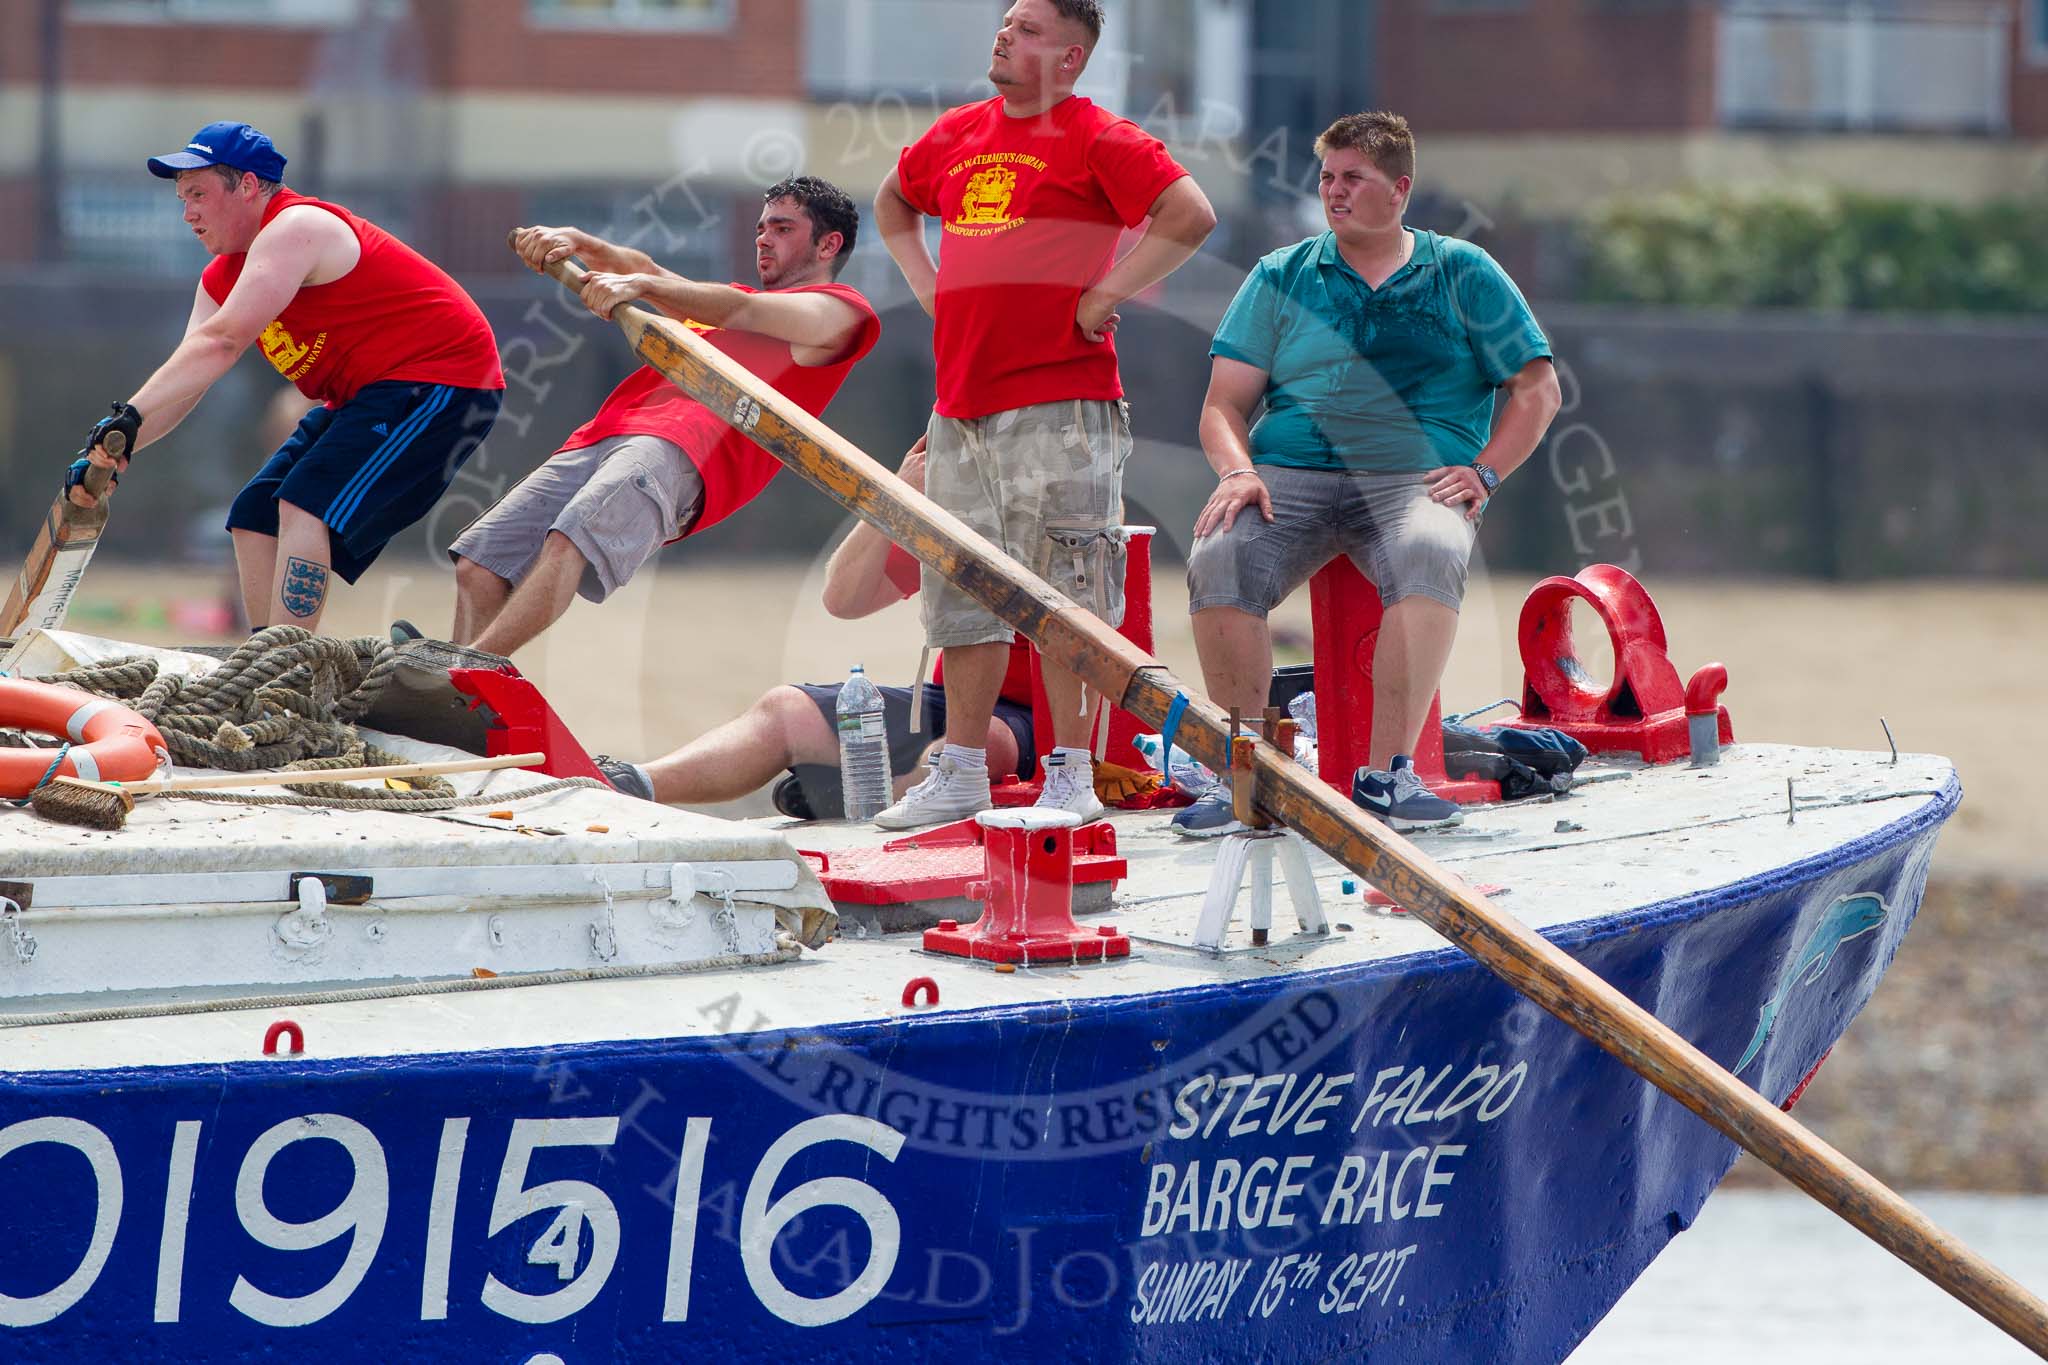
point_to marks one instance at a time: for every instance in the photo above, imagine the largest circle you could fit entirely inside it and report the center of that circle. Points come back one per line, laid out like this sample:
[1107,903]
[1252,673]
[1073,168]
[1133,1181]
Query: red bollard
[1345,613]
[1028,898]
[1137,628]
[1703,714]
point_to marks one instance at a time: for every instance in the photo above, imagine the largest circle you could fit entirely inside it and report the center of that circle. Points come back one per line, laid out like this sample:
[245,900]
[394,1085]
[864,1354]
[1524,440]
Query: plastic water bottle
[863,748]
[1303,709]
[1181,770]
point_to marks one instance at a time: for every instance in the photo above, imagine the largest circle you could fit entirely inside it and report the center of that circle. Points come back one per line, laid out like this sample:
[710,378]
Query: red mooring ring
[279,1030]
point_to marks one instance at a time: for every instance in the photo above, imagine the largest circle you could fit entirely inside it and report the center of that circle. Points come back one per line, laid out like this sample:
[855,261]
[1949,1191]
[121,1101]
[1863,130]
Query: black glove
[74,474]
[126,420]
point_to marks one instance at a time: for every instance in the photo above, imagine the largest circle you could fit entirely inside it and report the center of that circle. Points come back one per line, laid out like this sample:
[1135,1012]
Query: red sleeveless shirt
[396,315]
[734,470]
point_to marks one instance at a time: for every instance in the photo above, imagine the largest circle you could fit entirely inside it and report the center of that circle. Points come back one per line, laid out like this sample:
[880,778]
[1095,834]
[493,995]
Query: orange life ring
[109,742]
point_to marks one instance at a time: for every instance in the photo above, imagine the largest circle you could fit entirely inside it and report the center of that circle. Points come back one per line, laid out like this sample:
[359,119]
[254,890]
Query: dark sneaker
[404,632]
[627,778]
[789,798]
[1399,799]
[1210,816]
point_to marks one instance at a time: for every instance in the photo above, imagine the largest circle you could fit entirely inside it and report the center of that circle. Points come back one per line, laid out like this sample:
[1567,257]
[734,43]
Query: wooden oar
[1072,638]
[55,565]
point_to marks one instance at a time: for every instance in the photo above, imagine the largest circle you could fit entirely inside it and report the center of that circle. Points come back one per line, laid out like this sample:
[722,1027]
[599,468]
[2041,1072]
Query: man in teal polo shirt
[1403,378]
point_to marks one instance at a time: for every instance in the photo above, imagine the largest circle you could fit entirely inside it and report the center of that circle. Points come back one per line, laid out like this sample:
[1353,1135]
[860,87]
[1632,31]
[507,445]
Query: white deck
[1615,845]
[196,898]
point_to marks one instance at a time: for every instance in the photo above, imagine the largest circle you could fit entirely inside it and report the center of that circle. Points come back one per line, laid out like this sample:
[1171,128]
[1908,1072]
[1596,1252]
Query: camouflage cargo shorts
[1045,484]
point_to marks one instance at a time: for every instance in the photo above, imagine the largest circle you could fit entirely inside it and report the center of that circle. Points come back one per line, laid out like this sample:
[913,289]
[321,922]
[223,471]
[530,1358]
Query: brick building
[450,120]
[1546,101]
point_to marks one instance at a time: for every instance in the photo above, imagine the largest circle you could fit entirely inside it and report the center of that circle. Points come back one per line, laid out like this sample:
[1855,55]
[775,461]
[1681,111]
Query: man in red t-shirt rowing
[400,359]
[1029,435]
[655,465]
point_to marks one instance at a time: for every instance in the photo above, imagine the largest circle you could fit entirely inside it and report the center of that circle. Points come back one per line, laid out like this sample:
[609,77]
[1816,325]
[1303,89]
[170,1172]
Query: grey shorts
[1045,485]
[1406,544]
[617,501]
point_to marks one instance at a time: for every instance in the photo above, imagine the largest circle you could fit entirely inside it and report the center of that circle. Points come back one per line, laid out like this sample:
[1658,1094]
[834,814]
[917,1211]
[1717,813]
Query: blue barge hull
[1391,1160]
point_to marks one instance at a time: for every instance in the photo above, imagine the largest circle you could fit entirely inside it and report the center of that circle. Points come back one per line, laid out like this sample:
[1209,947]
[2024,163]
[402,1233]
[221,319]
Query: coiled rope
[286,699]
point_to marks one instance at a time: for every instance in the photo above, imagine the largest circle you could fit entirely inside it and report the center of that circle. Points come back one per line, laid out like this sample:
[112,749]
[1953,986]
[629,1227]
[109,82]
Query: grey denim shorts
[1406,544]
[1045,484]
[617,501]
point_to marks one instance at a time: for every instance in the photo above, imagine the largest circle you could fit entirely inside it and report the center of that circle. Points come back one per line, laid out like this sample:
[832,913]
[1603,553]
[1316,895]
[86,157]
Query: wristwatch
[1489,477]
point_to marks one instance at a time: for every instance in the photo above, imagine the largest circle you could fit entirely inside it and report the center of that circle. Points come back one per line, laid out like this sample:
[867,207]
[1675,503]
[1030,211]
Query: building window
[2037,30]
[125,229]
[636,14]
[687,240]
[1922,69]
[927,51]
[312,13]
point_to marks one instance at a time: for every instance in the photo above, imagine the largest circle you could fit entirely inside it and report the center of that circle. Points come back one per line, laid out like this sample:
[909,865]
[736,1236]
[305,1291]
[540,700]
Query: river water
[1771,1278]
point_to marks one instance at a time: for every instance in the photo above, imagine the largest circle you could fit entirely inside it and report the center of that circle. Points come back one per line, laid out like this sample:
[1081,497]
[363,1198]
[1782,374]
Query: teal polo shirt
[1396,378]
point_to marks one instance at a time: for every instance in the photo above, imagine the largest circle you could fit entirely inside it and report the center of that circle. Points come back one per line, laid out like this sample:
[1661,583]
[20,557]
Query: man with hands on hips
[1029,433]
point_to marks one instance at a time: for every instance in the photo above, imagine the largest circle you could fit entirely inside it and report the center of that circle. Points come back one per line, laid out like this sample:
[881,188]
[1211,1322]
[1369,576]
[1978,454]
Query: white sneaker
[1069,786]
[948,792]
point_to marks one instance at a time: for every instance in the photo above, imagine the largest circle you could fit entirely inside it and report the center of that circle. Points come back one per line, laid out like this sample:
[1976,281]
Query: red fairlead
[109,742]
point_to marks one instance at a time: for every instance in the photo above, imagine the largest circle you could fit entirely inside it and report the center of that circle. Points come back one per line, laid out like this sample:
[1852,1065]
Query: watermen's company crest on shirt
[988,196]
[287,355]
[990,193]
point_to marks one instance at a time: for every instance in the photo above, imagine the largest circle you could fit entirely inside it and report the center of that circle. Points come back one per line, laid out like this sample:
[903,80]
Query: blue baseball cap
[234,145]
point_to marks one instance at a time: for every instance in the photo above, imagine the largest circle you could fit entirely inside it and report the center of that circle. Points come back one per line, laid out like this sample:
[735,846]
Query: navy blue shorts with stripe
[371,467]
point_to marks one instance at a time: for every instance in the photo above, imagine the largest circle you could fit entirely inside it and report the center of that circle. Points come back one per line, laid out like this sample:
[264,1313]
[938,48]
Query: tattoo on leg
[305,587]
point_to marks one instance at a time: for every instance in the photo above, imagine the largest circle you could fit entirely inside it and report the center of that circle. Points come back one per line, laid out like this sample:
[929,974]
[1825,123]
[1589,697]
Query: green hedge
[1819,249]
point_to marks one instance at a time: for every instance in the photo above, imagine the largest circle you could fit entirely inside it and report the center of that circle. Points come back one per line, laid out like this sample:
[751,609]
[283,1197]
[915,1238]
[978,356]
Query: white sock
[1073,758]
[966,758]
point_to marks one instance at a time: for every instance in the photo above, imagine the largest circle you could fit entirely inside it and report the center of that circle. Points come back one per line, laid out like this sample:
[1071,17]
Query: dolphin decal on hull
[1850,917]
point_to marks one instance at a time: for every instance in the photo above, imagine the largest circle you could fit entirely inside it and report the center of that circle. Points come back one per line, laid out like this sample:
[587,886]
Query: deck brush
[100,806]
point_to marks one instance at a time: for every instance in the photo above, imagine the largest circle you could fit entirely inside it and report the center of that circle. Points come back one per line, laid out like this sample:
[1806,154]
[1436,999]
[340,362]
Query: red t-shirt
[396,315]
[903,570]
[1032,210]
[733,468]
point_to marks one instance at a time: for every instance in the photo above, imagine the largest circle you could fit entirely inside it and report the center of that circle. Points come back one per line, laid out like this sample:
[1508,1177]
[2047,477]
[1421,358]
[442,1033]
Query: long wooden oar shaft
[216,781]
[1071,638]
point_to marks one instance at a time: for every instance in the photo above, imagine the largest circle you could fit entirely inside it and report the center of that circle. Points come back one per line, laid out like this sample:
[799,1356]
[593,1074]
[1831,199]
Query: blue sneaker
[628,778]
[1400,801]
[1209,817]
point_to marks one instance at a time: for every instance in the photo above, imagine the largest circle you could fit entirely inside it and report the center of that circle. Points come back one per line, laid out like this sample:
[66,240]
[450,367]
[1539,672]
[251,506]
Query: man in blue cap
[398,356]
